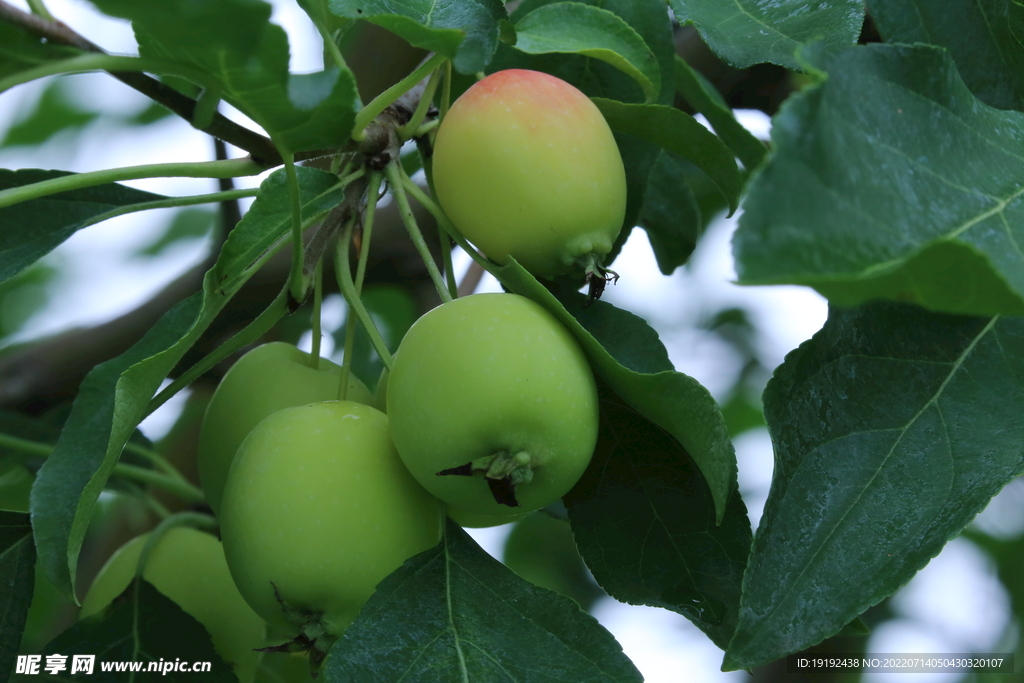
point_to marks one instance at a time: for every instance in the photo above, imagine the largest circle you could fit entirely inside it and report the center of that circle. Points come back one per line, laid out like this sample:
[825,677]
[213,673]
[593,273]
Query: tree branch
[259,146]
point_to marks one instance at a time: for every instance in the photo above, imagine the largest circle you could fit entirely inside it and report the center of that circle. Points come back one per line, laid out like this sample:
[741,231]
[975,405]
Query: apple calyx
[503,471]
[312,638]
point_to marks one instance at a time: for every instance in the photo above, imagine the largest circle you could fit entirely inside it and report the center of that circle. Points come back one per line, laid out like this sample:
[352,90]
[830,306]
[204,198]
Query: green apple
[492,405]
[268,378]
[525,166]
[318,508]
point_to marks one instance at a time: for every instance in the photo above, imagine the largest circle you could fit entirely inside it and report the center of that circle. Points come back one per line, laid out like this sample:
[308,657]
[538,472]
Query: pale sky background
[955,604]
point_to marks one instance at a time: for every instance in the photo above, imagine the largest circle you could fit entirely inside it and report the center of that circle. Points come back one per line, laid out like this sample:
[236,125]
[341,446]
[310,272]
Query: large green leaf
[114,396]
[578,28]
[17,576]
[984,37]
[681,134]
[20,50]
[248,66]
[670,214]
[141,625]
[893,427]
[748,32]
[644,522]
[32,229]
[890,180]
[453,613]
[630,358]
[465,32]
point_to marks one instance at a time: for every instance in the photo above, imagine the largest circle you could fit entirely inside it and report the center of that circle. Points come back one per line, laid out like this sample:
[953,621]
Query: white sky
[954,605]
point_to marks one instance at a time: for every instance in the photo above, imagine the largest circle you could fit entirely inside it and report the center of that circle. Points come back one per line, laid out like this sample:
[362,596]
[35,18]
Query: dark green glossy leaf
[53,113]
[114,395]
[33,228]
[626,353]
[465,32]
[702,96]
[144,626]
[984,37]
[578,28]
[644,521]
[24,295]
[890,180]
[247,65]
[893,427]
[20,50]
[17,577]
[453,613]
[680,133]
[670,214]
[748,32]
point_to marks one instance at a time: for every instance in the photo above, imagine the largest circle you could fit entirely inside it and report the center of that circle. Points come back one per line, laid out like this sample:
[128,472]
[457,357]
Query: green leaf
[114,395]
[645,523]
[33,228]
[679,133]
[670,214]
[141,625]
[17,576]
[890,180]
[574,27]
[465,32]
[748,32]
[20,50]
[893,427]
[475,620]
[702,96]
[984,37]
[248,66]
[626,353]
[53,113]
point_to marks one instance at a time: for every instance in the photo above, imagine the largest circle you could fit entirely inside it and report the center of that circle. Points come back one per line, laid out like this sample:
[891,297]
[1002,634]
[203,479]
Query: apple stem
[396,176]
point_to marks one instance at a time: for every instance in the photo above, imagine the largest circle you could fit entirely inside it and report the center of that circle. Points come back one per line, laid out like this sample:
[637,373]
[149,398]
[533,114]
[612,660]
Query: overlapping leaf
[702,96]
[453,613]
[578,28]
[679,204]
[17,576]
[465,32]
[33,228]
[630,358]
[248,66]
[114,396]
[890,180]
[747,32]
[142,625]
[893,427]
[681,134]
[984,37]
[644,522]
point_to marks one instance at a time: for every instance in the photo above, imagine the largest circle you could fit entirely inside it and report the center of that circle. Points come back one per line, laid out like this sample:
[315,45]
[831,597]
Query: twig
[260,147]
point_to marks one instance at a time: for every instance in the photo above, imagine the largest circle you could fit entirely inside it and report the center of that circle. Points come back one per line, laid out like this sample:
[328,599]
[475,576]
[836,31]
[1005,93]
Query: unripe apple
[267,379]
[525,166]
[317,510]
